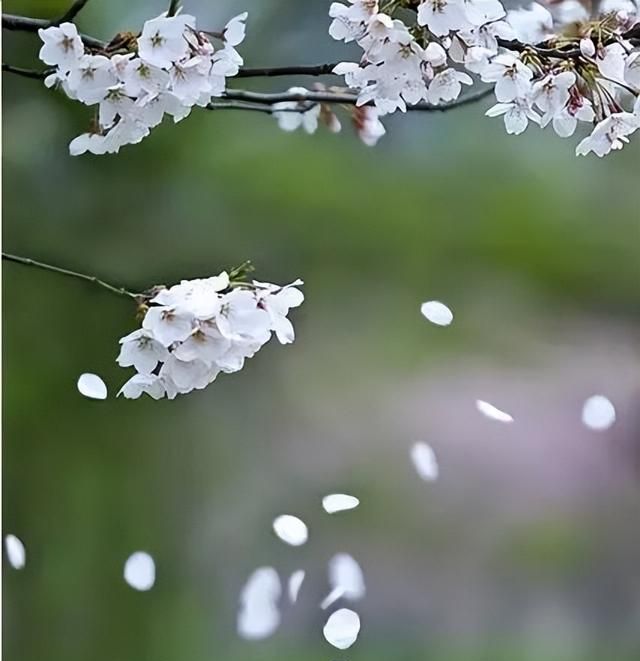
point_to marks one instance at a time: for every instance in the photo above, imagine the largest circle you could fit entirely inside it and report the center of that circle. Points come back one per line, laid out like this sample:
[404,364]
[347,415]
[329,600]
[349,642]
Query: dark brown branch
[301,70]
[26,73]
[26,24]
[71,13]
[270,99]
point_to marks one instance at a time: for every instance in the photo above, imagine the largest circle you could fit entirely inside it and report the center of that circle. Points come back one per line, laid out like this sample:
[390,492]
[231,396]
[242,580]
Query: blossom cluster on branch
[554,66]
[193,331]
[167,70]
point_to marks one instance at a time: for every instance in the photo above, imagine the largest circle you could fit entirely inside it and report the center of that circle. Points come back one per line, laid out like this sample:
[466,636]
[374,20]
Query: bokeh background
[528,548]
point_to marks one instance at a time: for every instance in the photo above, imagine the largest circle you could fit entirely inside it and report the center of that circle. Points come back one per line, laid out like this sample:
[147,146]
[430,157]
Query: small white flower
[442,16]
[143,383]
[140,571]
[516,115]
[168,324]
[62,46]
[447,85]
[141,350]
[91,78]
[511,76]
[163,41]
[292,115]
[609,134]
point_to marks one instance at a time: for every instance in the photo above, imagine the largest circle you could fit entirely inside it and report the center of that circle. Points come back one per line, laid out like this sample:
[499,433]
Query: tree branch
[26,24]
[27,261]
[300,70]
[25,73]
[270,99]
[71,13]
[173,7]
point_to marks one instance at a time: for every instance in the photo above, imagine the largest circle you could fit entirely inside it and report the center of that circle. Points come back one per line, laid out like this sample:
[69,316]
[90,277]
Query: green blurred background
[526,549]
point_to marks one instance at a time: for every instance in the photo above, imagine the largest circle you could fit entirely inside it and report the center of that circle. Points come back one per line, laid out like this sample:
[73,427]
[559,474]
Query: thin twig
[27,261]
[173,7]
[26,24]
[25,73]
[71,13]
[300,70]
[341,98]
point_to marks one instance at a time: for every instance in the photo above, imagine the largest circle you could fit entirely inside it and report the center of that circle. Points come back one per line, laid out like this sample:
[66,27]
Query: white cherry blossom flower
[516,115]
[141,350]
[168,324]
[531,24]
[447,85]
[150,384]
[163,42]
[609,134]
[443,16]
[551,93]
[62,47]
[480,12]
[511,76]
[91,78]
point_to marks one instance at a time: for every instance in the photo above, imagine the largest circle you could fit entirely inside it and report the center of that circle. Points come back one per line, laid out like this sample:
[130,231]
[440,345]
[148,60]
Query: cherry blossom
[196,329]
[62,47]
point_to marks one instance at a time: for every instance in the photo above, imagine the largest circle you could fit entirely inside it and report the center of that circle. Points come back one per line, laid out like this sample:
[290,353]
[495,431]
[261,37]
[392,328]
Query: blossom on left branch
[134,82]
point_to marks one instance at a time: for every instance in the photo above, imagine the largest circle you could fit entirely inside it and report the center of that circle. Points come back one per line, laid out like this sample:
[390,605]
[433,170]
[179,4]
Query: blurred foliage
[523,238]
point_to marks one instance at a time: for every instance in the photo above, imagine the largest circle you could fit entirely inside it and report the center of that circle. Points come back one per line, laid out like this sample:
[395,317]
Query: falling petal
[16,553]
[140,571]
[598,413]
[333,596]
[424,461]
[291,529]
[492,412]
[259,615]
[338,502]
[92,386]
[437,313]
[346,580]
[342,628]
[295,583]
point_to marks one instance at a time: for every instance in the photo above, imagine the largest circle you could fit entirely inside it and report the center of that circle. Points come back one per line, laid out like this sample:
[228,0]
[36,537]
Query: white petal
[92,386]
[338,502]
[424,461]
[333,596]
[342,628]
[291,529]
[16,553]
[492,412]
[140,571]
[345,574]
[259,616]
[437,313]
[295,583]
[598,413]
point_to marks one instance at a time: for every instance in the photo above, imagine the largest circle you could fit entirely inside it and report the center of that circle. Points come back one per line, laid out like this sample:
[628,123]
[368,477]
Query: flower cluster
[554,67]
[307,115]
[167,69]
[194,330]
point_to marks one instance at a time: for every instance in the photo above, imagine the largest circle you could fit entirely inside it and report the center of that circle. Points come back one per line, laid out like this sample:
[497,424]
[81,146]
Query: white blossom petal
[342,628]
[259,615]
[295,583]
[424,461]
[437,313]
[490,411]
[291,529]
[92,386]
[16,553]
[338,502]
[598,413]
[140,571]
